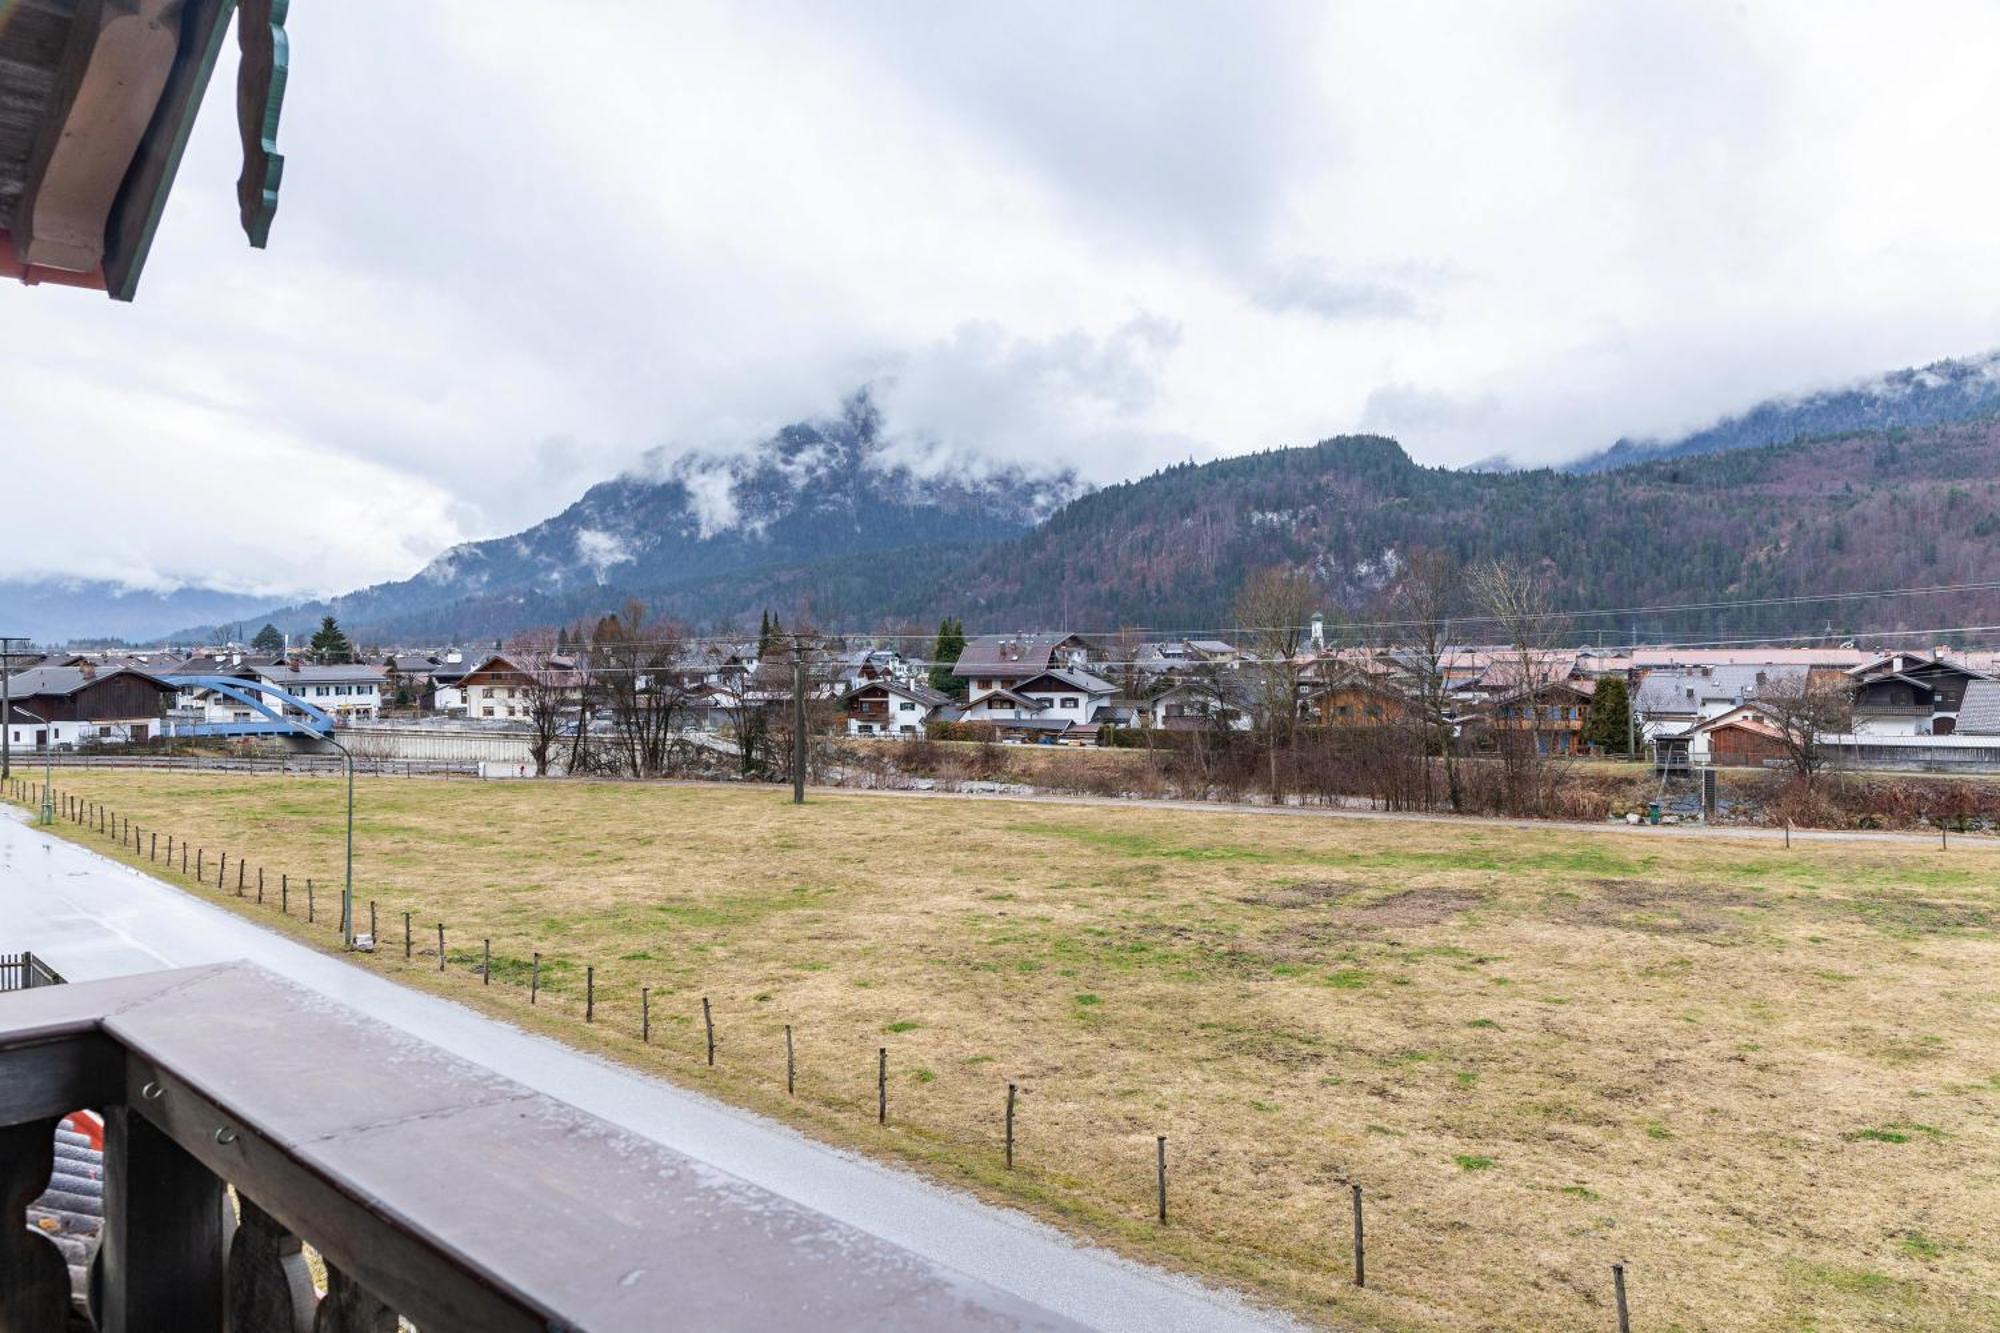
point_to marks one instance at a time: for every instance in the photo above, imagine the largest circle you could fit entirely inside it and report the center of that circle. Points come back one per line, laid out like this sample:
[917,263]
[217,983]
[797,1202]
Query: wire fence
[547,982]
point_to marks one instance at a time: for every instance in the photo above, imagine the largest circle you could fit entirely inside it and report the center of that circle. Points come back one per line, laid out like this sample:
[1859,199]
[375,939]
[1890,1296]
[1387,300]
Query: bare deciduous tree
[642,688]
[1426,597]
[1271,613]
[1805,709]
[549,684]
[1517,600]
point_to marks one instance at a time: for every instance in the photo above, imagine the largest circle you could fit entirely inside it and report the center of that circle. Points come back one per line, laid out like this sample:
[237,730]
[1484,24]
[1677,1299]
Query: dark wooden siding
[114,697]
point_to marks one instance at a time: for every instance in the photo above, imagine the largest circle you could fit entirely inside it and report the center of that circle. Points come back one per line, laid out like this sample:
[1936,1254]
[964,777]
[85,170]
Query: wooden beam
[114,68]
[260,96]
[143,200]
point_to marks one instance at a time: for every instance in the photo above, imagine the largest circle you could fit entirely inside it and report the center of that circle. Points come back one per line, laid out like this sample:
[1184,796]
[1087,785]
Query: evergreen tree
[329,642]
[768,635]
[269,641]
[950,643]
[1610,716]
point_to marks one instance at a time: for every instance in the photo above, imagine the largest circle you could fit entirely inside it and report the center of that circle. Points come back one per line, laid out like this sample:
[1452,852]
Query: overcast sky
[512,254]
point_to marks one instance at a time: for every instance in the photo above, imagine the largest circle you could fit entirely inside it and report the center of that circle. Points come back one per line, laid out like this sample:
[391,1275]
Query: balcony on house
[244,1117]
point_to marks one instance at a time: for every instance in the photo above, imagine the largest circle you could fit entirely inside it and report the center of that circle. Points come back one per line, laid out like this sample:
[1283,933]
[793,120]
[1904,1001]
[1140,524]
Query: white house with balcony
[350,691]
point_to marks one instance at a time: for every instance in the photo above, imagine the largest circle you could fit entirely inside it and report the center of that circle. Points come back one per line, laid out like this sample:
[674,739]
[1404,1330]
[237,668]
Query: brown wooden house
[78,705]
[1556,714]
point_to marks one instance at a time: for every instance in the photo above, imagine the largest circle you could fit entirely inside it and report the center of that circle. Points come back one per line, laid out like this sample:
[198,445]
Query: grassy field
[1766,1080]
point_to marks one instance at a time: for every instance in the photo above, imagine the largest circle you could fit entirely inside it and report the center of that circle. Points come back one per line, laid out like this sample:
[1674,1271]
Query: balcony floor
[94,918]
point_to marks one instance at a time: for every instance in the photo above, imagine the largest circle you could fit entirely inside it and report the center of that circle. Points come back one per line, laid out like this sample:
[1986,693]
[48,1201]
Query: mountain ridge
[1954,389]
[1168,551]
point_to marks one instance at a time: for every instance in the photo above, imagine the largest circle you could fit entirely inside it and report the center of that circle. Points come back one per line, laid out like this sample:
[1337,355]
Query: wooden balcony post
[270,1286]
[160,1262]
[34,1279]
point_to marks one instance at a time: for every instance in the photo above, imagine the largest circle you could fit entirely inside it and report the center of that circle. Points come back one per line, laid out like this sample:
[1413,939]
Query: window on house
[486,710]
[906,706]
[1069,702]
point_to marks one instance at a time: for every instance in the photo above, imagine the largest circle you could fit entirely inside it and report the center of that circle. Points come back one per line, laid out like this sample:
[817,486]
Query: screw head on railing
[152,1091]
[225,1135]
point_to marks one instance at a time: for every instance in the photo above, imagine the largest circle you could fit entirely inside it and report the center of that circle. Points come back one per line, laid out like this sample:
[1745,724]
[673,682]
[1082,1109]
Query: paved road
[92,918]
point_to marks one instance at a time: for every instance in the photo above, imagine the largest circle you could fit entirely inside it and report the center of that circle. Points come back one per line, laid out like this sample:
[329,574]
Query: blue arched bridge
[312,720]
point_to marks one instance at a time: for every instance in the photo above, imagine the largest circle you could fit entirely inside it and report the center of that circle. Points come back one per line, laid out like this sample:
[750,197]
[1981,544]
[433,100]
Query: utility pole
[7,706]
[798,720]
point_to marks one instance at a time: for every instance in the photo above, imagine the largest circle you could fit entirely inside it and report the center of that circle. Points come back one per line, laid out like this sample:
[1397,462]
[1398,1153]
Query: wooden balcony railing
[245,1117]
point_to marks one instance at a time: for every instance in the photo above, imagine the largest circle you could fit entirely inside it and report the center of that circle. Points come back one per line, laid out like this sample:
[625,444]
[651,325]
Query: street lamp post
[347,890]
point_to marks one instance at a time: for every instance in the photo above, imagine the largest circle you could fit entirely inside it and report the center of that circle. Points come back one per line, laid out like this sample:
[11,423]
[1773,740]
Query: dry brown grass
[1766,1080]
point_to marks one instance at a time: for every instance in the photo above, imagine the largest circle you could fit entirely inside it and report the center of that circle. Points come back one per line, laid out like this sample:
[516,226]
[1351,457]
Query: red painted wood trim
[33,275]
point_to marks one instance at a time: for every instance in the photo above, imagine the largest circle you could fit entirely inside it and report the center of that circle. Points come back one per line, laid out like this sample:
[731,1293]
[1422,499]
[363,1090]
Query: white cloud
[1116,236]
[601,550]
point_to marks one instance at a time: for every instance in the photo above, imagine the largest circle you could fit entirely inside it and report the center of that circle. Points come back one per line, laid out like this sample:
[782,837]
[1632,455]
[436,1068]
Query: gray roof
[1073,677]
[1979,711]
[68,680]
[413,663]
[1009,654]
[312,673]
[909,689]
[1664,691]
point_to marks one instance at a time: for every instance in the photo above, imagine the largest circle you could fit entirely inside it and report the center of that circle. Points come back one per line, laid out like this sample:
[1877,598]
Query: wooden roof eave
[95,191]
[135,216]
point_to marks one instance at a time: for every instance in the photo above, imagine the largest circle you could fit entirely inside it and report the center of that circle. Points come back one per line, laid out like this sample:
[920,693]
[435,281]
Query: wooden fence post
[1010,1126]
[791,1065]
[1160,1161]
[1618,1293]
[1360,1259]
[881,1085]
[589,993]
[708,1023]
[535,980]
[486,963]
[440,946]
[646,1014]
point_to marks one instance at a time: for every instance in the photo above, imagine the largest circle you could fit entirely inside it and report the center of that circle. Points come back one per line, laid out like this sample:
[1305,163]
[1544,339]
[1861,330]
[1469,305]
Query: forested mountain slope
[1846,514]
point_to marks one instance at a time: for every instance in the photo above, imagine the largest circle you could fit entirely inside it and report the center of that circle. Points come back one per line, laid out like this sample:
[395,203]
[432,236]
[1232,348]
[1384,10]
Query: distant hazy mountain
[1958,390]
[817,491]
[57,610]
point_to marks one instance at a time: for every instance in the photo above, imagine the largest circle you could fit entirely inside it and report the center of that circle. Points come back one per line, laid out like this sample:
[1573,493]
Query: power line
[1466,618]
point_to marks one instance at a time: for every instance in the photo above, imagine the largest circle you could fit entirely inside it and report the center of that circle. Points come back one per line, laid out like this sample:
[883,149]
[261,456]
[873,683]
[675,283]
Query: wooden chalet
[1358,699]
[68,706]
[886,707]
[97,99]
[1556,713]
[1910,694]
